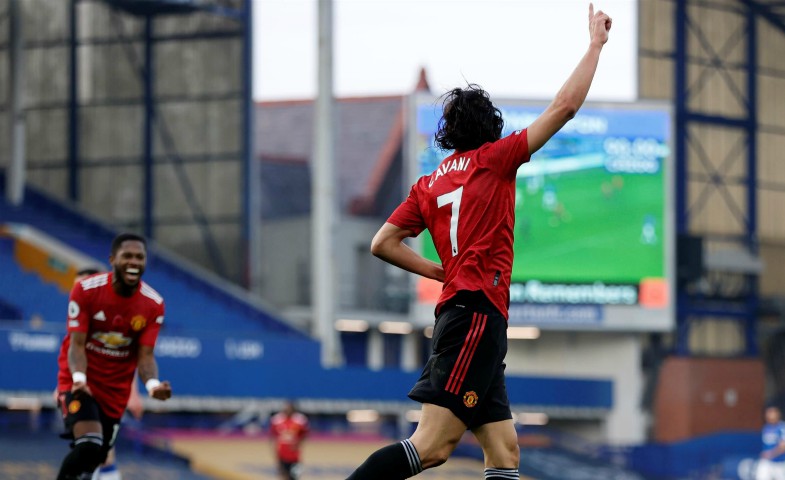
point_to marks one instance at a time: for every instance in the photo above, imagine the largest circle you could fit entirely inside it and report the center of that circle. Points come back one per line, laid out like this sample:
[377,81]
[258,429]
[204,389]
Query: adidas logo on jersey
[100,316]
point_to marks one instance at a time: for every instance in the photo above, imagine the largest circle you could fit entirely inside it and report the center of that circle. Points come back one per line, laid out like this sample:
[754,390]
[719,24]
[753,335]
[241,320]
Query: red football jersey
[115,327]
[468,205]
[289,431]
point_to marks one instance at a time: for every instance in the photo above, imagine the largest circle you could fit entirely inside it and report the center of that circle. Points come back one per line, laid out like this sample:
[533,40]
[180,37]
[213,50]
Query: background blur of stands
[232,363]
[220,349]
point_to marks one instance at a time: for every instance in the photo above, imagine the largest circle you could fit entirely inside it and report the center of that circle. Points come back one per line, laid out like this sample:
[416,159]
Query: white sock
[109,472]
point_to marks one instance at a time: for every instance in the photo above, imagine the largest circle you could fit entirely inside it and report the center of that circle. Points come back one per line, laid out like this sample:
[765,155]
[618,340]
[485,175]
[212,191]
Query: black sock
[393,462]
[501,474]
[84,458]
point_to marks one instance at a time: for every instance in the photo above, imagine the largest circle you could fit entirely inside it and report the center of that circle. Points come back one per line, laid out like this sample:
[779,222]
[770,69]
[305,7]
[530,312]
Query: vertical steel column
[742,311]
[149,121]
[15,180]
[680,156]
[752,178]
[73,105]
[251,178]
[324,205]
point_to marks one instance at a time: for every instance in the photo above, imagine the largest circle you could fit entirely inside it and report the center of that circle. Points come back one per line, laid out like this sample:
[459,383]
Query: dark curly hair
[124,237]
[469,119]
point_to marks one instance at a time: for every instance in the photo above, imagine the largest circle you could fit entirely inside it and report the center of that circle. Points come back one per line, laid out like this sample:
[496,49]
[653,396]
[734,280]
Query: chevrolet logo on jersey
[112,339]
[138,322]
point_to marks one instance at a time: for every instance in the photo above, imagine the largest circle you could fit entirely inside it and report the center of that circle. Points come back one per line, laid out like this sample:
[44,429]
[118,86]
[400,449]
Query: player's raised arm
[573,93]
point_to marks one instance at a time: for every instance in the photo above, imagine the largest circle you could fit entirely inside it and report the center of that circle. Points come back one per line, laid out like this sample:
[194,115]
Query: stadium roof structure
[160,7]
[369,153]
[772,10]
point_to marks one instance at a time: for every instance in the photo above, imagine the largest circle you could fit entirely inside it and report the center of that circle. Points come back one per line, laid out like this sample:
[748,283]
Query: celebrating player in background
[467,204]
[108,470]
[288,429]
[771,465]
[113,323]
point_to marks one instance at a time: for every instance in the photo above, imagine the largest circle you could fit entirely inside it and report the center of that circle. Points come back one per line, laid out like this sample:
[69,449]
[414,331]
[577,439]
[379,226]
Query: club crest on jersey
[470,399]
[457,164]
[138,322]
[74,406]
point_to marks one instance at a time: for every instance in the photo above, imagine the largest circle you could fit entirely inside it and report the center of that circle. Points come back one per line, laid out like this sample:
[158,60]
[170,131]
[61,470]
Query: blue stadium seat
[26,292]
[193,304]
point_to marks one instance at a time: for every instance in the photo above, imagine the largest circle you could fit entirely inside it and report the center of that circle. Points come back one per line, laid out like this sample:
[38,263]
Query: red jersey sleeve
[150,331]
[305,427]
[78,315]
[274,428]
[408,215]
[507,154]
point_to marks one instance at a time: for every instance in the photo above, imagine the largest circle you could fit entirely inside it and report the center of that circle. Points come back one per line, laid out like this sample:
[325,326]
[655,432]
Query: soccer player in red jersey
[113,323]
[288,429]
[108,470]
[467,204]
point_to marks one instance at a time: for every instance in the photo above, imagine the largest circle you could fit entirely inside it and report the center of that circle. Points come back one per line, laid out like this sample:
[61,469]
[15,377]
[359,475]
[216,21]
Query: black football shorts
[83,407]
[291,469]
[465,372]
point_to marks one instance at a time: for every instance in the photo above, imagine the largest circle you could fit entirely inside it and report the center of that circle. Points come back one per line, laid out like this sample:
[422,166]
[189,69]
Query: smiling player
[113,323]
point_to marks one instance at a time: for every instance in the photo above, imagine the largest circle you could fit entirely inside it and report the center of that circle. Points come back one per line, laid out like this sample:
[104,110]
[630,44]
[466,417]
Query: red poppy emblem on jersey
[138,322]
[470,399]
[74,406]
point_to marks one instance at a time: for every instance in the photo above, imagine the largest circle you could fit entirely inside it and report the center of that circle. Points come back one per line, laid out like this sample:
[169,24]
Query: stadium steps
[38,454]
[26,292]
[196,300]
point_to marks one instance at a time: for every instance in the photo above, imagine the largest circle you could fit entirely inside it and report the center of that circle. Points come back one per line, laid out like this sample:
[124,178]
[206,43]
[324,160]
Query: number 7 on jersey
[453,198]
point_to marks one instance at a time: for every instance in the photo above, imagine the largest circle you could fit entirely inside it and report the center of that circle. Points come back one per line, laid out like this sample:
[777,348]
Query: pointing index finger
[591,10]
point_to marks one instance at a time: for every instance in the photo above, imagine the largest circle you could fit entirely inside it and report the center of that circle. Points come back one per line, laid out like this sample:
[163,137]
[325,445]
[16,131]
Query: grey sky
[513,48]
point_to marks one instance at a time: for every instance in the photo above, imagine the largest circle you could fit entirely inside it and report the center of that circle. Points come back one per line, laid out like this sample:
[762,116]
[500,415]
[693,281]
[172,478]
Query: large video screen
[592,218]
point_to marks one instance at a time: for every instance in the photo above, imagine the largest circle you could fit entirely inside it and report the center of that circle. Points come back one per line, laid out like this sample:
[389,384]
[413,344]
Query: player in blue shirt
[772,459]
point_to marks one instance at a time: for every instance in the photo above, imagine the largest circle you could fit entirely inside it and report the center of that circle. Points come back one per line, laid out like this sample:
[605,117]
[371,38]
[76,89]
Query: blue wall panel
[269,366]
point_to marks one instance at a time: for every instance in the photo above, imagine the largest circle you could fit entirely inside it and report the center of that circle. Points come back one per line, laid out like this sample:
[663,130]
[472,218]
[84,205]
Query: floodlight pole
[323,203]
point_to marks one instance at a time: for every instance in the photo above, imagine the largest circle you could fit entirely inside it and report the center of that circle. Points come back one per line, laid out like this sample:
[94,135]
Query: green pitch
[585,226]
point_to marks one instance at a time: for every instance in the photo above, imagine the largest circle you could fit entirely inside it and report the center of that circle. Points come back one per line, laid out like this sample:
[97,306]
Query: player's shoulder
[421,183]
[521,133]
[278,418]
[505,142]
[300,418]
[149,292]
[94,282]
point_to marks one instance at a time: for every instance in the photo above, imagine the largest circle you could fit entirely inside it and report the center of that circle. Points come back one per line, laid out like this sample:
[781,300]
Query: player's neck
[122,289]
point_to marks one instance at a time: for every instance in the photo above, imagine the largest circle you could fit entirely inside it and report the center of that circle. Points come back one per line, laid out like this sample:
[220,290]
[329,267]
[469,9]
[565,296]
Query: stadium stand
[215,335]
[196,302]
[24,294]
[224,352]
[37,454]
